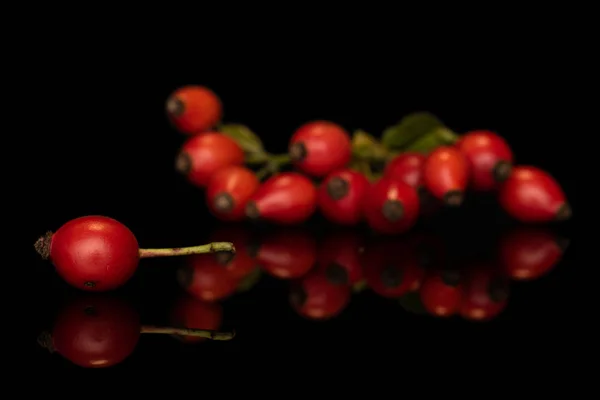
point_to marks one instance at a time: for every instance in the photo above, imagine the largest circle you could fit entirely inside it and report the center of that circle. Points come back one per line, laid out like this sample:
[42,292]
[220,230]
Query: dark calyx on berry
[564,212]
[183,163]
[45,340]
[252,210]
[337,188]
[391,276]
[223,202]
[450,277]
[175,106]
[336,274]
[453,198]
[563,243]
[498,290]
[224,257]
[42,245]
[90,310]
[185,275]
[297,151]
[89,284]
[392,210]
[298,296]
[502,170]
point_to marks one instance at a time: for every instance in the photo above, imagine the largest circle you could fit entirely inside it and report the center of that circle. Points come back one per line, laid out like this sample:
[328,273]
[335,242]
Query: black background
[108,149]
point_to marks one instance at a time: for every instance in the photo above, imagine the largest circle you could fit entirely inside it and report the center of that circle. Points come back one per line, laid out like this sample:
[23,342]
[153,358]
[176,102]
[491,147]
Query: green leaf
[366,146]
[411,302]
[409,129]
[248,140]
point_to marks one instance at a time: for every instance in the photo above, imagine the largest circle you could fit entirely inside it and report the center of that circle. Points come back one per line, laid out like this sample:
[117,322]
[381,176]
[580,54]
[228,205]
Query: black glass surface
[114,155]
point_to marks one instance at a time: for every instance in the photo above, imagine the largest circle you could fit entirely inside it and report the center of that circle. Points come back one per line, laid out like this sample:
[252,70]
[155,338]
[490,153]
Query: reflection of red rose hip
[391,206]
[489,156]
[340,196]
[446,174]
[243,262]
[194,109]
[529,253]
[203,155]
[486,294]
[315,297]
[320,147]
[532,195]
[339,257]
[442,292]
[287,254]
[229,190]
[189,312]
[205,279]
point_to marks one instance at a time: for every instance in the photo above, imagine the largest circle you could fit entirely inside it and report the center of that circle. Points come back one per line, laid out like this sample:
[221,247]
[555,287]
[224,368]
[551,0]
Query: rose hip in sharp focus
[532,195]
[530,253]
[189,312]
[340,196]
[203,155]
[489,156]
[441,292]
[194,109]
[391,206]
[446,174]
[286,198]
[320,147]
[316,298]
[229,190]
[97,253]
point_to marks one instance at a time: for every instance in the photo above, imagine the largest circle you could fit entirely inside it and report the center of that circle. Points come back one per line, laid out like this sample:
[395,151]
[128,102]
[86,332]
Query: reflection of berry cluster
[425,165]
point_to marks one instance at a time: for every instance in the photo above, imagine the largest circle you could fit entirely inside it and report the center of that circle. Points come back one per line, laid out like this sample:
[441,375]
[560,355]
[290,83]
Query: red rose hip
[489,156]
[203,155]
[442,292]
[340,196]
[320,147]
[189,312]
[194,109]
[446,174]
[532,195]
[315,297]
[391,206]
[229,190]
[97,253]
[286,198]
[407,167]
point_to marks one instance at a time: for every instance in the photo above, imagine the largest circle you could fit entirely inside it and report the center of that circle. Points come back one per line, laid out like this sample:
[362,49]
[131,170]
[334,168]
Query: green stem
[447,136]
[213,247]
[203,333]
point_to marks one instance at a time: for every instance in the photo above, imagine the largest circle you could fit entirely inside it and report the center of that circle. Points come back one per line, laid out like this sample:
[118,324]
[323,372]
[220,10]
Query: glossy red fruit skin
[486,293]
[314,297]
[244,261]
[94,253]
[229,190]
[339,257]
[446,174]
[201,156]
[489,156]
[341,195]
[530,253]
[194,109]
[205,279]
[96,331]
[441,293]
[391,206]
[189,312]
[288,198]
[320,147]
[407,167]
[532,195]
[287,254]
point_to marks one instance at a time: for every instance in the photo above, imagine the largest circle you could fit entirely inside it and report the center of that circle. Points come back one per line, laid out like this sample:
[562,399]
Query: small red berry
[315,297]
[203,155]
[486,294]
[442,292]
[340,258]
[320,147]
[205,279]
[391,206]
[194,109]
[95,331]
[529,253]
[229,190]
[407,167]
[489,156]
[340,196]
[243,262]
[287,255]
[532,195]
[189,312]
[446,174]
[287,198]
